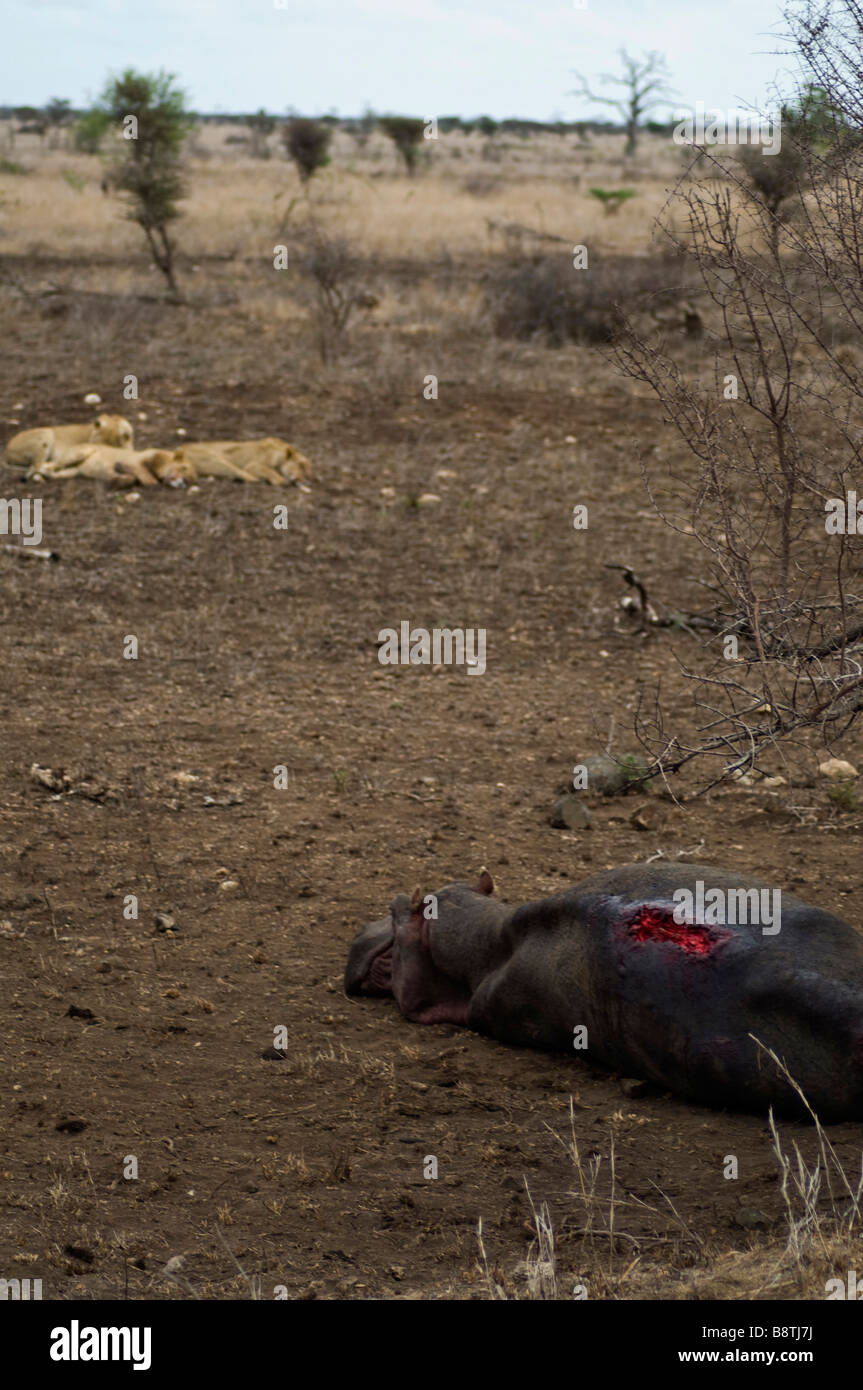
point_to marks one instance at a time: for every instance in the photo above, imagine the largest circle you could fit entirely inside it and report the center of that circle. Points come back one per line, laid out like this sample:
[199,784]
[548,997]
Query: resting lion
[207,461]
[270,460]
[122,466]
[171,468]
[54,443]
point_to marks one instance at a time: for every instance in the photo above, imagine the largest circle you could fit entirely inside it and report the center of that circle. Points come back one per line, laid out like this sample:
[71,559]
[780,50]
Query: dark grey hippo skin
[674,1005]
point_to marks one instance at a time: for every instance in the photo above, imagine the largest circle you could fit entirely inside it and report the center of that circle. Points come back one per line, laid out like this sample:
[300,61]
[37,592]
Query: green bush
[90,130]
[406,133]
[149,171]
[613,198]
[307,143]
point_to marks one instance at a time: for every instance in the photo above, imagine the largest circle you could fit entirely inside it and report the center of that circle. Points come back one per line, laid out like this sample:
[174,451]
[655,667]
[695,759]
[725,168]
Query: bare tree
[774,439]
[261,127]
[363,128]
[645,85]
[58,114]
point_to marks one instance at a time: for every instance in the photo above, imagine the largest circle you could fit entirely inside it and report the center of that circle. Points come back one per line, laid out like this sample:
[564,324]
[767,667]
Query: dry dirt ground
[257,647]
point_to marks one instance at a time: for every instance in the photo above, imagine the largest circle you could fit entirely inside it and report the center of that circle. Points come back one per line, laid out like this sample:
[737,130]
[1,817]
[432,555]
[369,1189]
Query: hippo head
[370,959]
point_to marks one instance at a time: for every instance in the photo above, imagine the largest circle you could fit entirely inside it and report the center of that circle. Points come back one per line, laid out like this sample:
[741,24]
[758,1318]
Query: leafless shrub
[339,280]
[547,298]
[480,186]
[773,428]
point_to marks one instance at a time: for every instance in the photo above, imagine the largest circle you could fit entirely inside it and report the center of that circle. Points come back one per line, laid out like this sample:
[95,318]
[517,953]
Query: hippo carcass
[620,966]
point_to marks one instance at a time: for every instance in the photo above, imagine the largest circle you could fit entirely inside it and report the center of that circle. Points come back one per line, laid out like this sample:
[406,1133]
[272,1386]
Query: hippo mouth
[379,976]
[370,960]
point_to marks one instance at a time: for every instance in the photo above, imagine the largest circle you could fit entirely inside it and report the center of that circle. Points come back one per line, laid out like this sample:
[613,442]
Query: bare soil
[257,647]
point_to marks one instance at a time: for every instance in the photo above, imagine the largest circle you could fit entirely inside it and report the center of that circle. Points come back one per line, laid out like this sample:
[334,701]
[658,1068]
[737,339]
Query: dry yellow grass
[243,206]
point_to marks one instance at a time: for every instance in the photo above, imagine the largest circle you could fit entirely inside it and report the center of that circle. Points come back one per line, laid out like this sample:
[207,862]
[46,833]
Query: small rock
[20,902]
[427,499]
[569,813]
[72,1125]
[648,817]
[79,1252]
[755,781]
[228,885]
[836,769]
[46,777]
[92,398]
[110,963]
[634,1087]
[605,776]
[164,922]
[272,1054]
[748,1218]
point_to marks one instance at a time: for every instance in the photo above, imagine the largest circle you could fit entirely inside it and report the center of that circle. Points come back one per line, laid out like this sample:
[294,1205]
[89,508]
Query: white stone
[835,769]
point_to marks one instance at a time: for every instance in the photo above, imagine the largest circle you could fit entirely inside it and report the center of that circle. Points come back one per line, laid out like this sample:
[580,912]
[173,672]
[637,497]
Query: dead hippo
[647,985]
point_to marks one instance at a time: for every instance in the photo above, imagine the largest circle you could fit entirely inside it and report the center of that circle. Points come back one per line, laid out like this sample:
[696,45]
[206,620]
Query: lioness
[208,461]
[171,468]
[54,443]
[269,460]
[272,458]
[122,466]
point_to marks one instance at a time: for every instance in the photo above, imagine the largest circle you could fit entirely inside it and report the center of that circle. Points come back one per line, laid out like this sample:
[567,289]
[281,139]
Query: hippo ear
[486,883]
[417,897]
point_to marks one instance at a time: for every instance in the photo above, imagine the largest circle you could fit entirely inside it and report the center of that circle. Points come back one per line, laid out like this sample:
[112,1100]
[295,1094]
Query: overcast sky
[422,57]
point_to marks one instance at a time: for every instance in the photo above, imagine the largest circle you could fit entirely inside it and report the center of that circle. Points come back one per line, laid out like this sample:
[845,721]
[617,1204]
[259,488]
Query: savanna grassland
[258,647]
